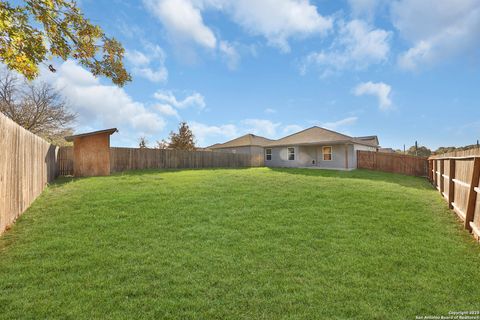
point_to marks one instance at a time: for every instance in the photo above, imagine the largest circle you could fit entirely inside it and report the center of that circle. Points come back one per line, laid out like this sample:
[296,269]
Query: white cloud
[340,123]
[437,29]
[276,20]
[137,58]
[291,128]
[149,65]
[230,54]
[364,8]
[167,110]
[101,105]
[183,21]
[270,111]
[414,56]
[159,75]
[261,127]
[357,46]
[193,100]
[205,134]
[379,89]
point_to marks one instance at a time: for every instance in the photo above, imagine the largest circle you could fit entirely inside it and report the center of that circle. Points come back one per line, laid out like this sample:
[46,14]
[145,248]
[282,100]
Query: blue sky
[404,70]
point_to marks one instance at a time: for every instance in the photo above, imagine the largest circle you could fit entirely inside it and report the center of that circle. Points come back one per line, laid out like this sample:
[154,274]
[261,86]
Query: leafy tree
[36,106]
[183,140]
[442,150]
[142,143]
[37,30]
[445,150]
[421,151]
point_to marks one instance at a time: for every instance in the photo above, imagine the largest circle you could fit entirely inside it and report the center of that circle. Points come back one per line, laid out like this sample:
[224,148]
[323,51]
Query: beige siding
[303,157]
[338,157]
[312,156]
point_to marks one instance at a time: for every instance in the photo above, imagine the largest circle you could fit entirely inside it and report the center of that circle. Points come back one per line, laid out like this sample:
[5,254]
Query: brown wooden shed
[91,153]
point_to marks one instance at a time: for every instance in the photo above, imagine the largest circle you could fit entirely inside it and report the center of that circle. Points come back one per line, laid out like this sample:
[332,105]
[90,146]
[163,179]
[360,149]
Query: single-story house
[312,147]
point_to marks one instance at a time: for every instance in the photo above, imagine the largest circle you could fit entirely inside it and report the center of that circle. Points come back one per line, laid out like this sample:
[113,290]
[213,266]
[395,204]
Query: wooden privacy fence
[458,181]
[123,159]
[65,161]
[392,162]
[27,164]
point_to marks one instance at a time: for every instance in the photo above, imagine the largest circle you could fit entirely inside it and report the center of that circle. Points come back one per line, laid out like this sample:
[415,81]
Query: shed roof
[243,141]
[81,135]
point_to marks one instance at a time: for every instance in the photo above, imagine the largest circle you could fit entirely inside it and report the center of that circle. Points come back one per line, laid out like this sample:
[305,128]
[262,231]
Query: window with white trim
[268,154]
[327,153]
[291,153]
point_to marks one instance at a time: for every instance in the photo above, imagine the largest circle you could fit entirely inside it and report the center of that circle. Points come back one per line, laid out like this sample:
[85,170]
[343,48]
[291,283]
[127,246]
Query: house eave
[321,143]
[239,146]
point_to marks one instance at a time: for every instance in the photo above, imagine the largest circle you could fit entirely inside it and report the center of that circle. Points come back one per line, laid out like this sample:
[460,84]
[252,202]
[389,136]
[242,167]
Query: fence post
[430,170]
[451,185]
[442,180]
[472,194]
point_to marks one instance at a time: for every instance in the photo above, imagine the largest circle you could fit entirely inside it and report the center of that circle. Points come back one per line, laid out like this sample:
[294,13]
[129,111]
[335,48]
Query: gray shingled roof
[243,141]
[317,135]
[371,139]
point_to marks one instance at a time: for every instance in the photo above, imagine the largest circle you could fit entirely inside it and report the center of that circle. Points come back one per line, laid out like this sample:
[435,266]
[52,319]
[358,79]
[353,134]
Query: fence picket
[472,194]
[122,159]
[451,184]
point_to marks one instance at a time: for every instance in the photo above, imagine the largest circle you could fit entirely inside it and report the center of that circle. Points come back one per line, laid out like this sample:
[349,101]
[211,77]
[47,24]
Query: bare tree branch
[36,106]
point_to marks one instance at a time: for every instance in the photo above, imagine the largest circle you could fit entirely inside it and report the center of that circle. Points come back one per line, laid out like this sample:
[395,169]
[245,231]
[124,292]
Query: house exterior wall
[338,157]
[91,155]
[311,156]
[303,157]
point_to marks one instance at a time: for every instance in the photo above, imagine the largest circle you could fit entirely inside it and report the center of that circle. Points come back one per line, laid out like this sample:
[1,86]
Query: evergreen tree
[183,140]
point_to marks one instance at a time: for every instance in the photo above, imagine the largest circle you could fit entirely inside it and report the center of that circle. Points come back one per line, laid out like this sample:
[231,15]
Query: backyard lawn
[238,244]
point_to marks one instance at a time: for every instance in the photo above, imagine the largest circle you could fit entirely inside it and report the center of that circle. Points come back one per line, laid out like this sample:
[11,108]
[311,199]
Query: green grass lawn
[238,244]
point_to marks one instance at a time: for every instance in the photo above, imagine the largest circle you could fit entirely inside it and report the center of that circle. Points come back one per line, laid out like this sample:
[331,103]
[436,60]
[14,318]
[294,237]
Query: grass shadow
[61,180]
[140,172]
[363,174]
